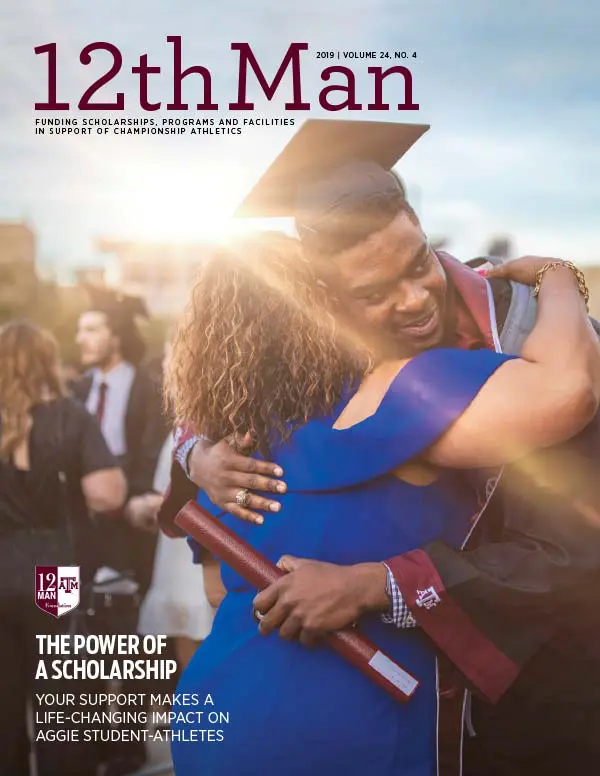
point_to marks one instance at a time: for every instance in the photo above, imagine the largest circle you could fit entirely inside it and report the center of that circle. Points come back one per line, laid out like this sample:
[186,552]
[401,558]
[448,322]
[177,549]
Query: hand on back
[522,270]
[222,471]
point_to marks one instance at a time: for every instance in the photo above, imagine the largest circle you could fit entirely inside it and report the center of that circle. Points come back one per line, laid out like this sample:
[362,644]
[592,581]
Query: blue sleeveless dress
[275,707]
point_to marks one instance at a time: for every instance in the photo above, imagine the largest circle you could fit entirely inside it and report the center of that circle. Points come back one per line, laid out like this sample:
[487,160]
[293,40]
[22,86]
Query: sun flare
[182,204]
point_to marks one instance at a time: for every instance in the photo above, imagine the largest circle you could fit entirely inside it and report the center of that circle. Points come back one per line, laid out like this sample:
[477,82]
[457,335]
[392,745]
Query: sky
[511,90]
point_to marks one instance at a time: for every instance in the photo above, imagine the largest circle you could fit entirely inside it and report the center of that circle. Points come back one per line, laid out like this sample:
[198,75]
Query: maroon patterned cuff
[449,626]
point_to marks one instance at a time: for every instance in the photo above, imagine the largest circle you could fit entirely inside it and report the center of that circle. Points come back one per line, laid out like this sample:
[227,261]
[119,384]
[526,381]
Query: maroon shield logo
[56,589]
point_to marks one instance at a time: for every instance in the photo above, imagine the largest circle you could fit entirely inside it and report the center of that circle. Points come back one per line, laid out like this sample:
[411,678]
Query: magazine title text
[393,83]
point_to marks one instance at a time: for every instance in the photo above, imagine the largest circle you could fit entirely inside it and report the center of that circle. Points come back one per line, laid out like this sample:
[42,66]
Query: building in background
[18,278]
[161,273]
[93,276]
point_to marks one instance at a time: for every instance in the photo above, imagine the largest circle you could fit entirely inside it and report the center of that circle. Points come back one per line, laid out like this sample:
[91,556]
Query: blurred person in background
[176,604]
[127,404]
[71,374]
[54,468]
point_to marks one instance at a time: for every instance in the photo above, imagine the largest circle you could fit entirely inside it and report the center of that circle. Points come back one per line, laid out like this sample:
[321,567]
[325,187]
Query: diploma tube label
[394,673]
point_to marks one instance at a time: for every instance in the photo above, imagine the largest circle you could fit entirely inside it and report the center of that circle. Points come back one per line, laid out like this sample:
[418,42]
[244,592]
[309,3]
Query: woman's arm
[545,397]
[104,490]
[103,483]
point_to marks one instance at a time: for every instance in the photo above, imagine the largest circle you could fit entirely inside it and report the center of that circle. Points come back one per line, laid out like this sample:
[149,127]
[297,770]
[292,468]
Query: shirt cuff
[183,452]
[399,613]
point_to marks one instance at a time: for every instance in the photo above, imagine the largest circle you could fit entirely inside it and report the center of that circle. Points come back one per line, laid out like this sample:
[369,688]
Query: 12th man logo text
[56,589]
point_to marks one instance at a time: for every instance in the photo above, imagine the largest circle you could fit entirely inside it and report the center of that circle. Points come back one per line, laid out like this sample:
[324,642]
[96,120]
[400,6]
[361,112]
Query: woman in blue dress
[356,430]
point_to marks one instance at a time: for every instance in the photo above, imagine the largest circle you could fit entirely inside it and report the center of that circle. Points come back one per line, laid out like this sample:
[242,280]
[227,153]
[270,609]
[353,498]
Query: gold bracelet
[551,265]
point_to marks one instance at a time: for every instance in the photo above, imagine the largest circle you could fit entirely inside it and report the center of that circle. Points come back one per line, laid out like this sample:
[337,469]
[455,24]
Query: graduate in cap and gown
[517,612]
[127,403]
[350,497]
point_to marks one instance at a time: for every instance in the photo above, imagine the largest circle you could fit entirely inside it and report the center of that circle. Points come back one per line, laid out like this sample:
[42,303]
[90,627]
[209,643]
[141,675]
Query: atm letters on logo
[57,589]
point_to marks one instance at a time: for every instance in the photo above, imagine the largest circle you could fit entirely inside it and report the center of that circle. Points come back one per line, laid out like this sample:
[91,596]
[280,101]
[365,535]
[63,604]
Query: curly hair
[257,349]
[29,375]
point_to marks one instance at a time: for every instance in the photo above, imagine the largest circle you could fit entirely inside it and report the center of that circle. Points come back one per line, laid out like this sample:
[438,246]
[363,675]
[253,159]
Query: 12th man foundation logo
[57,589]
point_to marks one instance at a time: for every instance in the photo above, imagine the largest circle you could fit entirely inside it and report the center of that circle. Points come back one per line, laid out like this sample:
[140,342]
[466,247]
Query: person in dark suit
[127,404]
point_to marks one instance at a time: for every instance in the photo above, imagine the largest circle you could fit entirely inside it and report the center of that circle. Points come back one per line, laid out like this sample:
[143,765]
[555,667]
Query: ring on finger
[242,497]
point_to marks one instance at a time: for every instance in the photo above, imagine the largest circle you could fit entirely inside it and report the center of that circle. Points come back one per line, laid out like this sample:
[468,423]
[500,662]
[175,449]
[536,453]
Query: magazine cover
[299,388]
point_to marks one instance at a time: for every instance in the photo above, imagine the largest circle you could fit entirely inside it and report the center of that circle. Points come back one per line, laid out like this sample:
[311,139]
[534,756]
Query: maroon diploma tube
[260,573]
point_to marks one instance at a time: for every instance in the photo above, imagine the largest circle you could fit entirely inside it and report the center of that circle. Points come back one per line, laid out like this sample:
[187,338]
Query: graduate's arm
[179,491]
[541,399]
[491,608]
[221,470]
[496,604]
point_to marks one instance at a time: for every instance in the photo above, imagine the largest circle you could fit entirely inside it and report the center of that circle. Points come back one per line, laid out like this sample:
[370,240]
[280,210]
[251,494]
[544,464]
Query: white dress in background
[175,604]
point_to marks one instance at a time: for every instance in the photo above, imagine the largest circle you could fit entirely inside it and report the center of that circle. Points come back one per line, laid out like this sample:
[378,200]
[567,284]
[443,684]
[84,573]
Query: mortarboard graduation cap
[115,305]
[121,311]
[330,167]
